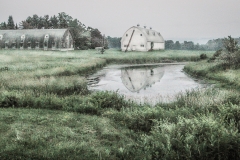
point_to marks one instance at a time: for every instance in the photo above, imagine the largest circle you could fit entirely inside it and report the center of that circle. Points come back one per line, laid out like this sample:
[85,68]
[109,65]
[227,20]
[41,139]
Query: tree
[96,38]
[34,21]
[63,19]
[25,25]
[16,26]
[169,44]
[3,26]
[10,24]
[41,23]
[114,42]
[54,22]
[46,21]
[230,44]
[231,56]
[177,45]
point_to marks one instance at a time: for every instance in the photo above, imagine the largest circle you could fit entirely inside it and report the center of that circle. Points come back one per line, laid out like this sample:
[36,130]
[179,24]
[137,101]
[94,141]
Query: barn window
[140,34]
[21,44]
[6,44]
[14,45]
[154,33]
[45,44]
[125,45]
[126,35]
[53,44]
[29,44]
[142,45]
[159,34]
[36,44]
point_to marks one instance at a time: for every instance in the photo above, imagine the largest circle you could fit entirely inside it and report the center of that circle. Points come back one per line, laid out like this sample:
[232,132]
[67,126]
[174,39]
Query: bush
[199,138]
[215,55]
[231,56]
[109,99]
[203,56]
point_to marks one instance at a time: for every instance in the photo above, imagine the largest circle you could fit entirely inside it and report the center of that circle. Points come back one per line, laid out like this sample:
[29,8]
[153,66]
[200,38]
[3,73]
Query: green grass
[216,72]
[47,112]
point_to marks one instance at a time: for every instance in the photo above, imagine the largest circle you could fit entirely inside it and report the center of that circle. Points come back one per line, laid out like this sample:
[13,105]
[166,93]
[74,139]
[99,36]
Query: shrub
[203,56]
[231,56]
[109,99]
[199,138]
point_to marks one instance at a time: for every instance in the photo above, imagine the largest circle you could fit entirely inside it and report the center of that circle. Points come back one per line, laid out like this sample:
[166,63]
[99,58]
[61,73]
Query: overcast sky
[196,20]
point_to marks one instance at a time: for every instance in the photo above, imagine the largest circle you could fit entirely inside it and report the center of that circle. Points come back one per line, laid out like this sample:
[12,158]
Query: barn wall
[138,42]
[158,46]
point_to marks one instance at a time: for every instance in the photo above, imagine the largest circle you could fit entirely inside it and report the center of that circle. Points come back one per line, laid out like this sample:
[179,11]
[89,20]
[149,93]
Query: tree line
[211,45]
[84,37]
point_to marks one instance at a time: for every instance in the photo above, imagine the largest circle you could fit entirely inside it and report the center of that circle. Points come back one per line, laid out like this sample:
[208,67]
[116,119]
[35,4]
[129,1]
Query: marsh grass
[46,111]
[44,134]
[215,71]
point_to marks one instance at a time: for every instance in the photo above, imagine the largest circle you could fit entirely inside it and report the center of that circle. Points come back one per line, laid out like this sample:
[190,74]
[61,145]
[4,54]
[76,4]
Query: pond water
[149,83]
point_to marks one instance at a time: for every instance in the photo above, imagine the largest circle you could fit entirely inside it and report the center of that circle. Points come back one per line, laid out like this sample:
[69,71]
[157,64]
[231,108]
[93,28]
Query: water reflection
[143,84]
[136,78]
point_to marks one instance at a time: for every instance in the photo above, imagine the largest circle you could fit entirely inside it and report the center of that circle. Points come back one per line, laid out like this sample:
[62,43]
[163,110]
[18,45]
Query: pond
[148,83]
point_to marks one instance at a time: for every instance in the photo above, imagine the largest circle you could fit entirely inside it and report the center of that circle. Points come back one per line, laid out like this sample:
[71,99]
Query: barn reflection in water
[136,78]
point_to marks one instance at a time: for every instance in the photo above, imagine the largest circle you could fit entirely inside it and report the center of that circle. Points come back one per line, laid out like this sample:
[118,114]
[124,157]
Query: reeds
[46,111]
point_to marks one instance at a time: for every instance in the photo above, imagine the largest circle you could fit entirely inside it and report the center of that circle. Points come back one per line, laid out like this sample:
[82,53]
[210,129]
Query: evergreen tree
[10,24]
[41,23]
[35,21]
[3,26]
[16,26]
[46,21]
[54,22]
[177,45]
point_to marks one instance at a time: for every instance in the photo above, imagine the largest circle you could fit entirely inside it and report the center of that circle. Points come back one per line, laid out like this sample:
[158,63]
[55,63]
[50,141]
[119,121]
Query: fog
[174,19]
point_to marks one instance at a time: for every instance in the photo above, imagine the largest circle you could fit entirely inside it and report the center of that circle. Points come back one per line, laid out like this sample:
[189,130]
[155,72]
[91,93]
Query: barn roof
[37,33]
[151,35]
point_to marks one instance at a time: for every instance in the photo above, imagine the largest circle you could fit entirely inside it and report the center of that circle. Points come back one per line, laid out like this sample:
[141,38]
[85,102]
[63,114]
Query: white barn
[137,38]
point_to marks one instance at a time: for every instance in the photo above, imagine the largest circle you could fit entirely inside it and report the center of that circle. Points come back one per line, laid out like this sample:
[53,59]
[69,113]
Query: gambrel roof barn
[137,38]
[137,78]
[46,39]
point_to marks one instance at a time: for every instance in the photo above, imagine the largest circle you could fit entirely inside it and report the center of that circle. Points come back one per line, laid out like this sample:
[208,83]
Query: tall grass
[46,111]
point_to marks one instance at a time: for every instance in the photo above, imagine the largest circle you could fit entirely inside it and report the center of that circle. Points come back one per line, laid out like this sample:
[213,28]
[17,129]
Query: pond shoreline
[111,78]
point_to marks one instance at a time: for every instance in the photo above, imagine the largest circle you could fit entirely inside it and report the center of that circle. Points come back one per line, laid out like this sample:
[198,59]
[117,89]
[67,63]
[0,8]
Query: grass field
[47,111]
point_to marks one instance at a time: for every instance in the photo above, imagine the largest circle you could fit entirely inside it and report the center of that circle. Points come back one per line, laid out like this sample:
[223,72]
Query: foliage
[203,56]
[46,111]
[109,99]
[231,56]
[211,45]
[10,24]
[216,54]
[186,45]
[230,44]
[114,42]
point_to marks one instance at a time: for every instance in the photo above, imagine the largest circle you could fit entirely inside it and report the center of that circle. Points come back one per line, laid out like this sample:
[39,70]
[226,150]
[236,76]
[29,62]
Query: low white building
[137,38]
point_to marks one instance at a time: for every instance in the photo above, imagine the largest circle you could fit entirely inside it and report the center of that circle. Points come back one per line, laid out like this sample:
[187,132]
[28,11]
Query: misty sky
[196,20]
